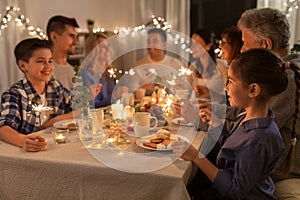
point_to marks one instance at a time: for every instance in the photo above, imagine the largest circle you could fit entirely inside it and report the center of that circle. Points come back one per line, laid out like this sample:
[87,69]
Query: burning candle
[117,110]
[60,139]
[60,134]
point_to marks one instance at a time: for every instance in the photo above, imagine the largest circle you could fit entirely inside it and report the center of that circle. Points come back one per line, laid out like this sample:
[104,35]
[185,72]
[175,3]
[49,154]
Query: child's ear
[254,90]
[22,66]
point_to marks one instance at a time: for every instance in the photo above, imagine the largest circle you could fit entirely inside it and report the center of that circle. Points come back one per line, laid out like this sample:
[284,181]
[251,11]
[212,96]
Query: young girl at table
[18,121]
[249,155]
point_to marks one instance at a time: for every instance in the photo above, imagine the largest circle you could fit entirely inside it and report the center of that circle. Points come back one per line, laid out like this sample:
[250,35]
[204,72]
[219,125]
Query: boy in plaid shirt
[18,122]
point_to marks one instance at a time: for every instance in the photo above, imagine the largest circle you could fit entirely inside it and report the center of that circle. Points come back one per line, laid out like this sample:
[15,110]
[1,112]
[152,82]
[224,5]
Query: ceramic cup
[141,123]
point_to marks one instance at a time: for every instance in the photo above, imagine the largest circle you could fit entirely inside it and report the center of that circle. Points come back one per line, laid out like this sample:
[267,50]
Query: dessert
[115,128]
[163,134]
[71,125]
[161,140]
[149,144]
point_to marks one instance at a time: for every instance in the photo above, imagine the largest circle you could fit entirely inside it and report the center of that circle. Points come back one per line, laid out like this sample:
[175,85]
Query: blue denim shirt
[104,98]
[247,160]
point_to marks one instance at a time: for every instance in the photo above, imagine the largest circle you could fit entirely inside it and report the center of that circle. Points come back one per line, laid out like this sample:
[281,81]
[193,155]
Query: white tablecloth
[69,171]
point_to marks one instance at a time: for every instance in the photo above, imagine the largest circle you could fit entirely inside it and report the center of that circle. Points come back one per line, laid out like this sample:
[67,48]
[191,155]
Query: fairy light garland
[290,6]
[12,13]
[158,22]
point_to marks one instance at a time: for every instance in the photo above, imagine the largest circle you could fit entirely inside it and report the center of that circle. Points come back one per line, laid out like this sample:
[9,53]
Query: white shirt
[64,73]
[168,61]
[150,71]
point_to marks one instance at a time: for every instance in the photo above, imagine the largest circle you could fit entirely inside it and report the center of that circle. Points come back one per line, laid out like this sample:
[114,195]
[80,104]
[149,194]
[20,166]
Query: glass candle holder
[60,134]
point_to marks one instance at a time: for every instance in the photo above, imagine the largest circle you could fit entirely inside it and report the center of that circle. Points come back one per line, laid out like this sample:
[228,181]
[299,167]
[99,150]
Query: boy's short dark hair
[57,24]
[25,48]
[160,31]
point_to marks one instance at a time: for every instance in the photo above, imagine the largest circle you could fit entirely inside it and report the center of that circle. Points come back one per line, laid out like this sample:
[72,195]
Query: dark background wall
[215,15]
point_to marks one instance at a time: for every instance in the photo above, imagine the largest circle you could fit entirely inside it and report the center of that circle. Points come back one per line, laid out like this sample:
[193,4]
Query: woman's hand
[186,109]
[33,142]
[201,91]
[207,116]
[205,112]
[95,89]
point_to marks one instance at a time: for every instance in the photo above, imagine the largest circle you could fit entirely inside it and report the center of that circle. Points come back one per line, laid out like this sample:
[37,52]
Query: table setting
[115,156]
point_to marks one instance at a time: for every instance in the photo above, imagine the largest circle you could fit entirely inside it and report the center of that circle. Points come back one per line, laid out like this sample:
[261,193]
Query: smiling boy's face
[39,67]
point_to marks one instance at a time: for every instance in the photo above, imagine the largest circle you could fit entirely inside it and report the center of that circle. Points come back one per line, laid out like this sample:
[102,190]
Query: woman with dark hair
[209,73]
[231,43]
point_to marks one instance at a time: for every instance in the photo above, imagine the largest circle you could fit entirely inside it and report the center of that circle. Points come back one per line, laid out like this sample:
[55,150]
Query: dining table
[94,170]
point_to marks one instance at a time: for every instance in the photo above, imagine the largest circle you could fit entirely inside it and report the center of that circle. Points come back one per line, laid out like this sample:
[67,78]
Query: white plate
[140,141]
[65,123]
[176,122]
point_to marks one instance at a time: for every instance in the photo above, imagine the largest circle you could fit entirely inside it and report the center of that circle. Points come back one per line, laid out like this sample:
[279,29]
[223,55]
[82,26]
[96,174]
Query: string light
[157,22]
[290,6]
[12,13]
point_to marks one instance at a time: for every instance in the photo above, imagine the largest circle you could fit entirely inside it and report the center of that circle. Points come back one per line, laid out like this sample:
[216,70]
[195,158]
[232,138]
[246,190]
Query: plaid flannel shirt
[16,105]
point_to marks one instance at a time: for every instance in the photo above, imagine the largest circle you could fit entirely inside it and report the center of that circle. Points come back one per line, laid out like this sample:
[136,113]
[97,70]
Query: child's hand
[182,148]
[34,142]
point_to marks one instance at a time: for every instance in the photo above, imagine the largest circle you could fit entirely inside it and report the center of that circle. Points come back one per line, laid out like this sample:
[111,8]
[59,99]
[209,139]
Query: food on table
[151,145]
[163,134]
[166,142]
[156,140]
[130,127]
[161,140]
[71,125]
[115,128]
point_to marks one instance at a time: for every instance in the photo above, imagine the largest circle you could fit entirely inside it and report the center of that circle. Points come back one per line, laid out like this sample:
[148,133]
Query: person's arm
[183,149]
[187,110]
[94,90]
[31,142]
[235,181]
[70,115]
[10,119]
